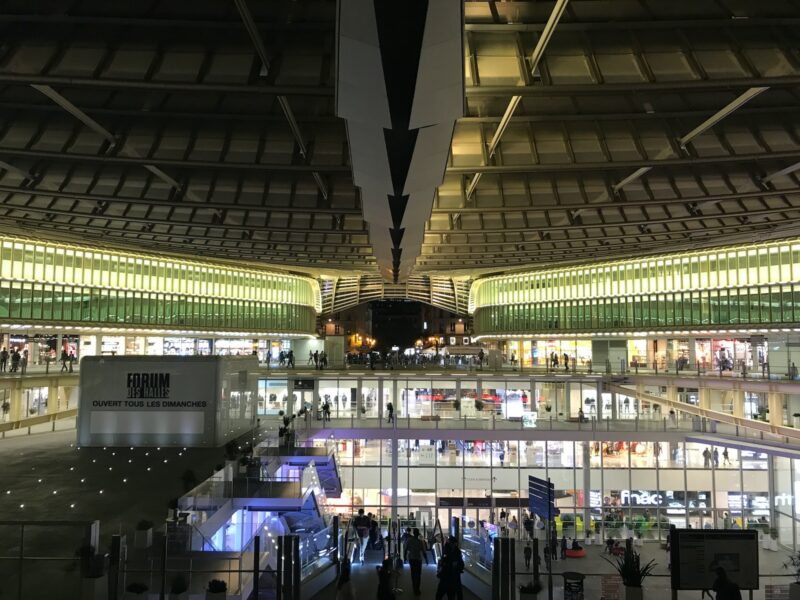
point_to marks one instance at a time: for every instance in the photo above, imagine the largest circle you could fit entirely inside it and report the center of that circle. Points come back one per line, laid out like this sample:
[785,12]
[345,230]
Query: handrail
[713,415]
[38,420]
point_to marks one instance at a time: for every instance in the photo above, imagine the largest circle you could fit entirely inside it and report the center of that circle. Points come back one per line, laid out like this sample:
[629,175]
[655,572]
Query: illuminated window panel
[764,264]
[750,306]
[57,283]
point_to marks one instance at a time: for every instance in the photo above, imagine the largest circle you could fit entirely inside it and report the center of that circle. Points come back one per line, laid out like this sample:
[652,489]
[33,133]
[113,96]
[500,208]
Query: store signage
[640,498]
[148,385]
[427,455]
[17,339]
[304,384]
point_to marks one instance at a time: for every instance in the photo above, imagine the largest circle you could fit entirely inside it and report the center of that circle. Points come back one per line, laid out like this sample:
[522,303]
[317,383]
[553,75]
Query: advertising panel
[162,401]
[698,555]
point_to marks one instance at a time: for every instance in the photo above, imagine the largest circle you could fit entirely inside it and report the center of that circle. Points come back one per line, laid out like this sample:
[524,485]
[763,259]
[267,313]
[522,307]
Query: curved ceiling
[210,128]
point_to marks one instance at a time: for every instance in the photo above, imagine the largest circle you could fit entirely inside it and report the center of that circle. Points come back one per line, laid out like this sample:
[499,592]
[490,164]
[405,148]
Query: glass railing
[587,367]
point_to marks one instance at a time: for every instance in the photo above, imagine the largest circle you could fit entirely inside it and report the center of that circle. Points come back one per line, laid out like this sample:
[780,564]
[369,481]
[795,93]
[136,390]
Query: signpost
[541,501]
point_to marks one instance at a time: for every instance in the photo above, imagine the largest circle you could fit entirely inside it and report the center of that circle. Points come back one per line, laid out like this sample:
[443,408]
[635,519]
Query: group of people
[19,361]
[286,359]
[711,458]
[554,360]
[317,358]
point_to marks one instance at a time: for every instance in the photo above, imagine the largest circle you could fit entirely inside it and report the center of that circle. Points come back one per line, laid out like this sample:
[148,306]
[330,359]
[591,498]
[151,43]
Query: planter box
[216,595]
[132,596]
[794,591]
[181,596]
[143,538]
[94,588]
[634,593]
[527,595]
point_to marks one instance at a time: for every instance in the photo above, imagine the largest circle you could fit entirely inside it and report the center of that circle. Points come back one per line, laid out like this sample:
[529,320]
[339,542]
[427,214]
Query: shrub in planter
[548,407]
[529,590]
[178,588]
[231,450]
[6,406]
[92,565]
[456,404]
[217,590]
[478,404]
[632,572]
[143,536]
[189,480]
[135,589]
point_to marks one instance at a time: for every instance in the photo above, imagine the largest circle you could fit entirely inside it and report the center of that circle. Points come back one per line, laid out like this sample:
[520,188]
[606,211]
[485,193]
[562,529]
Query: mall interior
[590,209]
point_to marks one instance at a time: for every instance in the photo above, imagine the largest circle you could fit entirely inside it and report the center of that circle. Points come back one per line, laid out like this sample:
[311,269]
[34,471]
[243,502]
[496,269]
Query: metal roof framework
[157,126]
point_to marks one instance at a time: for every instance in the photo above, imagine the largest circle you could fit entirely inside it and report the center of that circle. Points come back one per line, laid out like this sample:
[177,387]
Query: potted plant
[478,404]
[189,480]
[632,573]
[6,407]
[94,582]
[456,405]
[243,462]
[548,407]
[794,565]
[529,590]
[143,536]
[135,590]
[217,590]
[796,420]
[178,588]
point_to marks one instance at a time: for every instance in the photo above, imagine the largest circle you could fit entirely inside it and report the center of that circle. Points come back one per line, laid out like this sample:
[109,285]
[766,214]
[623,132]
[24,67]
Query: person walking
[23,362]
[390,412]
[64,359]
[724,587]
[566,361]
[316,359]
[527,524]
[326,412]
[361,525]
[71,360]
[3,360]
[451,565]
[15,358]
[310,358]
[415,554]
[707,458]
[290,359]
[715,456]
[527,552]
[513,526]
[726,459]
[564,547]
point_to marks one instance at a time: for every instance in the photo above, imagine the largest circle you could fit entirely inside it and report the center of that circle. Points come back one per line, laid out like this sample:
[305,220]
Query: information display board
[696,555]
[165,400]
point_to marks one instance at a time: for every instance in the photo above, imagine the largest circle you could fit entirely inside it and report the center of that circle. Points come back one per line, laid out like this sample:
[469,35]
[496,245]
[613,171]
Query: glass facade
[55,283]
[751,285]
[601,487]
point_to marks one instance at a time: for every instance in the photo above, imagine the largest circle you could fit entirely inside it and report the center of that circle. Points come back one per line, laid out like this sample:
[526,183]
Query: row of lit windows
[741,266]
[49,302]
[50,263]
[731,307]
